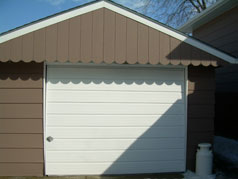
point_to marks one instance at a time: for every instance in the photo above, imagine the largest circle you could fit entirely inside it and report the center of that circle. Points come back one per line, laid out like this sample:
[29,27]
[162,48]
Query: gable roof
[207,15]
[66,15]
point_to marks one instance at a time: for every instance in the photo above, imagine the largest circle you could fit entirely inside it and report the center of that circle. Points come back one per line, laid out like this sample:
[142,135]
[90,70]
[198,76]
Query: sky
[15,13]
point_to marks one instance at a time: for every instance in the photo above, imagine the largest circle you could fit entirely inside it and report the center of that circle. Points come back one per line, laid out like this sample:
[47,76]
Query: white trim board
[119,10]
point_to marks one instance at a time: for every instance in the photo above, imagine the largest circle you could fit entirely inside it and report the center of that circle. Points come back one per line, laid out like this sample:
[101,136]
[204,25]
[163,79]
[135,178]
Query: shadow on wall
[201,93]
[187,54]
[21,71]
[21,129]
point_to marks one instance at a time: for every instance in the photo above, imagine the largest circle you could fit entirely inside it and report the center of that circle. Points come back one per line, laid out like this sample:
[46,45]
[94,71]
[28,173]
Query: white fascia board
[51,21]
[101,4]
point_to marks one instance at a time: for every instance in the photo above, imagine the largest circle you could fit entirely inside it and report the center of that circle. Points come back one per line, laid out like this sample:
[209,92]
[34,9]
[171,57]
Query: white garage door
[114,120]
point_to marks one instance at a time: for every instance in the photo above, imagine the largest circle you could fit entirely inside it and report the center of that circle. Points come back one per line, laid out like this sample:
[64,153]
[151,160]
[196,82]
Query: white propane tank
[204,160]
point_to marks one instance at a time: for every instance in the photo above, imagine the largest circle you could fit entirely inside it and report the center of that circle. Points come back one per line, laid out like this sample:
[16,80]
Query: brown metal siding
[21,134]
[201,101]
[120,39]
[221,32]
[102,36]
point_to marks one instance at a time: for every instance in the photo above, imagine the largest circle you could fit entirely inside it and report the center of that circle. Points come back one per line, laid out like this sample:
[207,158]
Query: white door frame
[112,65]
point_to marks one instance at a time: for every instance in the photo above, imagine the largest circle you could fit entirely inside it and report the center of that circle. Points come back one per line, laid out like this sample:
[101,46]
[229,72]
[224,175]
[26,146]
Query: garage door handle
[49,139]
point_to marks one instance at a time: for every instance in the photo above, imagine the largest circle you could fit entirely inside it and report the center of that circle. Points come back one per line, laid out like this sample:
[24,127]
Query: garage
[111,119]
[102,90]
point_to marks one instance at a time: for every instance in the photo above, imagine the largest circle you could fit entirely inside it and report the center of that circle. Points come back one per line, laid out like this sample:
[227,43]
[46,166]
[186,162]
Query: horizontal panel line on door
[119,138]
[56,114]
[90,90]
[114,162]
[121,91]
[105,66]
[91,126]
[171,149]
[108,83]
[116,82]
[95,102]
[97,79]
[107,114]
[178,126]
[100,150]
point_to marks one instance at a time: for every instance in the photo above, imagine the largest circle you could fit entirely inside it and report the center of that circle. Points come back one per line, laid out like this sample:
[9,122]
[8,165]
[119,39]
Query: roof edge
[207,15]
[50,20]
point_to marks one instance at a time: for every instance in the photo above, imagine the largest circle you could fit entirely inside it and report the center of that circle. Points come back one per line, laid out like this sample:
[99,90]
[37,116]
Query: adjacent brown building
[218,26]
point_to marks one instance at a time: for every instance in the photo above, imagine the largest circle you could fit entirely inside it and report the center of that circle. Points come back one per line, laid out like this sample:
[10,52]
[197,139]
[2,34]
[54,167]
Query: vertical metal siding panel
[185,54]
[109,36]
[175,51]
[86,37]
[164,48]
[205,59]
[2,53]
[27,47]
[5,51]
[131,41]
[63,41]
[97,51]
[16,49]
[51,43]
[153,46]
[214,60]
[39,45]
[74,39]
[120,44]
[195,56]
[143,45]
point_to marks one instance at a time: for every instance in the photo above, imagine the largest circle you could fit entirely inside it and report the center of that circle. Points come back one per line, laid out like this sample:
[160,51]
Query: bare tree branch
[204,4]
[174,12]
[200,5]
[194,5]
